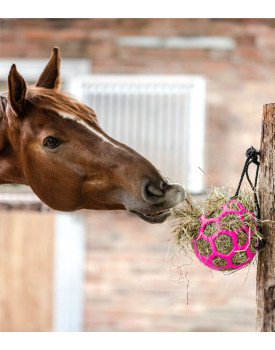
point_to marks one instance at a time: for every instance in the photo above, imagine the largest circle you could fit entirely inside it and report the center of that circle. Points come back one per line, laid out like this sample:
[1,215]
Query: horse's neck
[9,171]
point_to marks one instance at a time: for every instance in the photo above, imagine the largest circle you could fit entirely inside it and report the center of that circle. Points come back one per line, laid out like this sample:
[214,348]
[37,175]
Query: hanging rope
[252,157]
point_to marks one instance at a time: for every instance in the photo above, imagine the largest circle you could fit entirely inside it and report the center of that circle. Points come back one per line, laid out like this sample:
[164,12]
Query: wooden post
[266,261]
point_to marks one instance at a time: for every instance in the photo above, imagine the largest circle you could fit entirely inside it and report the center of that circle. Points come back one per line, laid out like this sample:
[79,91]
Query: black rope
[251,157]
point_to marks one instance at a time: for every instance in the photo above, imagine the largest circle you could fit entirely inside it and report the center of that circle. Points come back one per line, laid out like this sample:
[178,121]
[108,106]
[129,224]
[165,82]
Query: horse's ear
[50,77]
[17,90]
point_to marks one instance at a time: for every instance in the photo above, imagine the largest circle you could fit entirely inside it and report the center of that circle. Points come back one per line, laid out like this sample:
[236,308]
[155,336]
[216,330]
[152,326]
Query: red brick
[124,291]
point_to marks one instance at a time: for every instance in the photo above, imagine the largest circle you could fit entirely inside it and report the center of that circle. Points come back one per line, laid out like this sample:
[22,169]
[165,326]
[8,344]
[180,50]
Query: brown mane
[57,101]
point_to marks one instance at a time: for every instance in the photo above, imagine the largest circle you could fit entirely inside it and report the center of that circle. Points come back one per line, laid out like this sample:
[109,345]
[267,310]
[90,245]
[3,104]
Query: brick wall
[128,284]
[239,80]
[132,285]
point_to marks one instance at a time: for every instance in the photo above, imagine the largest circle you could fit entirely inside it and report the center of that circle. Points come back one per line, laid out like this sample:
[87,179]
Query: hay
[186,219]
[253,244]
[239,257]
[203,247]
[219,261]
[231,222]
[249,220]
[224,244]
[210,229]
[233,205]
[242,237]
[186,223]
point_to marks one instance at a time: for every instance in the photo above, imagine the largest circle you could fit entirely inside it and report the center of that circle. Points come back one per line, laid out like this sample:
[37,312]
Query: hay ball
[226,241]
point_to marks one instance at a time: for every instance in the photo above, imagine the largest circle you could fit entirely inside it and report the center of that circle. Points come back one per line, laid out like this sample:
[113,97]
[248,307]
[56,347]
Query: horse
[54,144]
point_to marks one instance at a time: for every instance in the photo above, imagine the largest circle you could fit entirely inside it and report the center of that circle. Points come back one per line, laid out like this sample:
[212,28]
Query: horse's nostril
[163,186]
[162,193]
[152,190]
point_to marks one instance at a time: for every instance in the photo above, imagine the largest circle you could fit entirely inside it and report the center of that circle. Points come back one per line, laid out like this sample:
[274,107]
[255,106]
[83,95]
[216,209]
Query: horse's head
[55,145]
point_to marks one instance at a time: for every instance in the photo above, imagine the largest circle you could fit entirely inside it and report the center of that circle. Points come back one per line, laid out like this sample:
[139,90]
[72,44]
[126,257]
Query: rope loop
[252,156]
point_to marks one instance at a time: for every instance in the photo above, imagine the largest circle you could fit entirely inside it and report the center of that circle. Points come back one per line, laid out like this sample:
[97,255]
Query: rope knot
[252,154]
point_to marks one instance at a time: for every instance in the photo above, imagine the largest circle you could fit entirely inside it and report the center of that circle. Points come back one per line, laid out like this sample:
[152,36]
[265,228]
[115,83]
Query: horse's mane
[57,101]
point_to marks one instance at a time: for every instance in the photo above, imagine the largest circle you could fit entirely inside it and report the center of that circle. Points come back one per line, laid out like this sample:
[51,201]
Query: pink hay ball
[236,251]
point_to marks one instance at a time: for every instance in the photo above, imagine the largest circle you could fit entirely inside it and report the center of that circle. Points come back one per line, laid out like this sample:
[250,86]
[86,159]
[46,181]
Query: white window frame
[196,125]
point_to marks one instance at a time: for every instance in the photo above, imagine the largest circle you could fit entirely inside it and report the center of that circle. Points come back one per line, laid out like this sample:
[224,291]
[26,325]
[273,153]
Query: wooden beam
[266,259]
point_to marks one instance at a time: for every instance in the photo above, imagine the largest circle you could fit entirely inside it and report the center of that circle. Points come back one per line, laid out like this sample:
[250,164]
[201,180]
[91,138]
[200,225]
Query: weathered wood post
[266,261]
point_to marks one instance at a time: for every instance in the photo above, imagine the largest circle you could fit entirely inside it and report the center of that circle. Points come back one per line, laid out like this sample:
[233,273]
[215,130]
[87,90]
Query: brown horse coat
[54,144]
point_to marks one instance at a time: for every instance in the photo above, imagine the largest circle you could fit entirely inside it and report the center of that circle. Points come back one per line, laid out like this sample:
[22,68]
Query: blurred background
[186,93]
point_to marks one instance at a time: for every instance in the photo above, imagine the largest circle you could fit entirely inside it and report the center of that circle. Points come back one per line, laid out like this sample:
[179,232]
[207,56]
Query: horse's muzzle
[159,200]
[168,194]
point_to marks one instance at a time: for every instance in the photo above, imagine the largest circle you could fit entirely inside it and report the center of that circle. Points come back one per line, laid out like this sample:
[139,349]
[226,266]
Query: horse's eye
[51,142]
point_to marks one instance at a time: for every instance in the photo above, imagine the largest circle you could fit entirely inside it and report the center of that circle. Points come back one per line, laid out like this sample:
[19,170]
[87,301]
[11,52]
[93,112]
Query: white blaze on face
[102,137]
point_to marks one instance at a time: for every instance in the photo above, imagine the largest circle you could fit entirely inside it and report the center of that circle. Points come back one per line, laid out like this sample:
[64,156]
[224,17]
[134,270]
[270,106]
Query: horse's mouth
[153,218]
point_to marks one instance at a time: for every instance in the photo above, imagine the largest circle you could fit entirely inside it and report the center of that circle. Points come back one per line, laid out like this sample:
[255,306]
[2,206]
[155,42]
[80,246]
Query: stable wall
[240,70]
